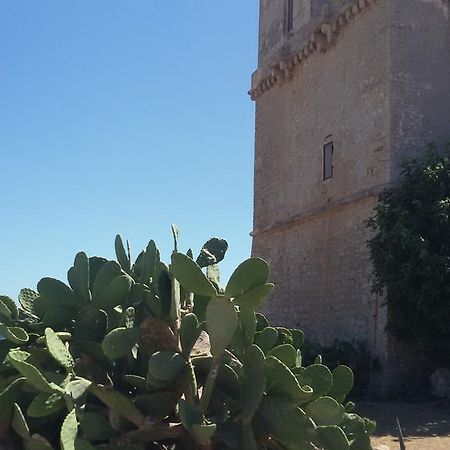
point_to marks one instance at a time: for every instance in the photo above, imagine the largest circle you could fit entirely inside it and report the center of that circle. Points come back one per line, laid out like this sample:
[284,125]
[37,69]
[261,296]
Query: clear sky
[123,117]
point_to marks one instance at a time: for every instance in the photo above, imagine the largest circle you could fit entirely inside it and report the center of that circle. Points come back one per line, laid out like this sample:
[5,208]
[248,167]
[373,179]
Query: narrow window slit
[328,160]
[290,15]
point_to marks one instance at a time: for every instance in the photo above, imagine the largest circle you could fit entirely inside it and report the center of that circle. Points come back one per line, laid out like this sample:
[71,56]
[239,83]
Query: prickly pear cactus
[140,355]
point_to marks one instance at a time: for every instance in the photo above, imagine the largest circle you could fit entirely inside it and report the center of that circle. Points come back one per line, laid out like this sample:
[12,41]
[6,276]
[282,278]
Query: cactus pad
[190,276]
[221,323]
[58,349]
[251,273]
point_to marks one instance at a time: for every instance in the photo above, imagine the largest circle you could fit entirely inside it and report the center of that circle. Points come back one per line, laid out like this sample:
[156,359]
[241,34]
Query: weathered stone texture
[321,272]
[373,76]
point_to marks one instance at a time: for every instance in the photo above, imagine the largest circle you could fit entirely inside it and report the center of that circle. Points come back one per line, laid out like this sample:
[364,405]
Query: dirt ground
[425,426]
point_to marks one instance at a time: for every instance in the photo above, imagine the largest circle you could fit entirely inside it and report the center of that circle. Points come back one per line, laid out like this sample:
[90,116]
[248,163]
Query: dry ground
[426,426]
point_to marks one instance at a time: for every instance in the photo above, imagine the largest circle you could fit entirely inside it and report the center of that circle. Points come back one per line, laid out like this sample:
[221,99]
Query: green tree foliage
[411,254]
[149,356]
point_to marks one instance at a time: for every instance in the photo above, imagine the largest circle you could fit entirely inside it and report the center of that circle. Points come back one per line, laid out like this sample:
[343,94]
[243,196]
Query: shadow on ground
[424,425]
[416,419]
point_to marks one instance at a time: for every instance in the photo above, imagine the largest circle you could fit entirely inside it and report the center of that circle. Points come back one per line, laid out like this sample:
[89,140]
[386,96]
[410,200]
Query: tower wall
[372,77]
[420,77]
[312,231]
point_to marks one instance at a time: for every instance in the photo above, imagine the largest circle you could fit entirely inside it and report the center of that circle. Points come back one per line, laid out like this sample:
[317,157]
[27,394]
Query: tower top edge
[316,36]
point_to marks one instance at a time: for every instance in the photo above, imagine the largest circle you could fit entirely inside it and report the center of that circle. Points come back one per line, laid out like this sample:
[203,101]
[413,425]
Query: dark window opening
[290,15]
[328,160]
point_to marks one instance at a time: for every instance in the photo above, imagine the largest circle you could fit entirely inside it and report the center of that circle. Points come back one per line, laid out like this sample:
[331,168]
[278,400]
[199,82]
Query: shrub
[411,254]
[354,354]
[149,356]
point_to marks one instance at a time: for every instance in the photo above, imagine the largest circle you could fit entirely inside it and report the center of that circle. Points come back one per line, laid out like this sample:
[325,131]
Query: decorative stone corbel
[321,39]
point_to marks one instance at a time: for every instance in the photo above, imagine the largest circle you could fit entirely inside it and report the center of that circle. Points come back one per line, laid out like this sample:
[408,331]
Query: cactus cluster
[142,355]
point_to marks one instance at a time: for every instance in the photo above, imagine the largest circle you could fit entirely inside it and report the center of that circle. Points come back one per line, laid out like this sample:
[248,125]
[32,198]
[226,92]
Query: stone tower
[344,90]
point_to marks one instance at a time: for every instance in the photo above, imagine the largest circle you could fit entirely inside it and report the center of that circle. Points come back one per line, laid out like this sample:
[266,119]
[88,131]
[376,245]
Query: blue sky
[123,117]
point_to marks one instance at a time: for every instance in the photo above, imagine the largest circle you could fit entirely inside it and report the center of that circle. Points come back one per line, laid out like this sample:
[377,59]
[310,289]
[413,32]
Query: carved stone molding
[321,39]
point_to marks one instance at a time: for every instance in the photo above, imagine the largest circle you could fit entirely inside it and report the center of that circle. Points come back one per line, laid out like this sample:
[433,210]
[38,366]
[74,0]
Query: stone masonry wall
[420,77]
[320,267]
[343,93]
[373,77]
[313,232]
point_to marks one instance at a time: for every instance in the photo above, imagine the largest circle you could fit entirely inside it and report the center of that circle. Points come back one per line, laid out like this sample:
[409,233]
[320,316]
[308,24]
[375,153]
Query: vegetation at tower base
[411,254]
[145,355]
[354,354]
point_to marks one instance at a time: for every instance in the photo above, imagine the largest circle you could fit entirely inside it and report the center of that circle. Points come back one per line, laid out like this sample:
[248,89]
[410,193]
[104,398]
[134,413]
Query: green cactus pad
[78,276]
[286,422]
[119,403]
[212,252]
[317,376]
[284,336]
[298,359]
[95,264]
[282,382]
[32,374]
[78,388]
[255,297]
[45,404]
[58,349]
[298,338]
[247,439]
[8,396]
[14,334]
[57,318]
[266,339]
[332,438]
[203,433]
[90,324]
[57,294]
[247,322]
[146,263]
[361,443]
[81,444]
[221,323]
[228,382]
[152,303]
[349,407]
[136,381]
[119,342]
[115,293]
[163,288]
[106,273]
[190,331]
[251,273]
[254,382]
[175,305]
[19,424]
[353,425]
[261,322]
[165,366]
[27,298]
[8,308]
[121,254]
[285,353]
[343,380]
[157,405]
[325,411]
[65,336]
[95,427]
[189,414]
[69,430]
[190,275]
